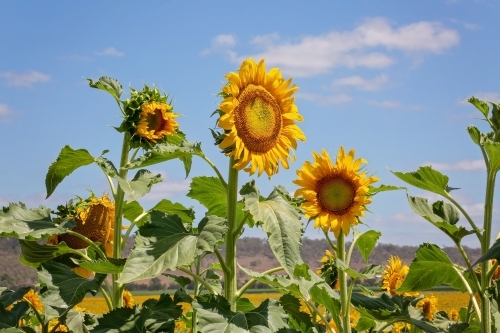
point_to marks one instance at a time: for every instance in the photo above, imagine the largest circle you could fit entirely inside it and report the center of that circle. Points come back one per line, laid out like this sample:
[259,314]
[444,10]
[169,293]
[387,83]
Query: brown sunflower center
[336,194]
[155,120]
[257,119]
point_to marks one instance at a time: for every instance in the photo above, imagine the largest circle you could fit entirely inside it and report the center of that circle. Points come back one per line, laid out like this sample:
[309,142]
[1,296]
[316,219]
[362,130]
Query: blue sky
[387,78]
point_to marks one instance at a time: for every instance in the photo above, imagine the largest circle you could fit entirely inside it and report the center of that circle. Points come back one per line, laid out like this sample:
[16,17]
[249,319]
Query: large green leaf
[68,161]
[132,210]
[431,267]
[210,192]
[164,243]
[30,224]
[62,289]
[167,151]
[33,254]
[214,315]
[10,318]
[107,84]
[280,220]
[140,185]
[297,319]
[442,215]
[426,178]
[104,266]
[366,243]
[7,297]
[175,208]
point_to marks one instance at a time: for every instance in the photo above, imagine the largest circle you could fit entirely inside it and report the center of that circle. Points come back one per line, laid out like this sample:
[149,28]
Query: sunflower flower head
[149,118]
[34,300]
[258,116]
[128,300]
[394,275]
[335,195]
[454,315]
[328,270]
[428,305]
[60,327]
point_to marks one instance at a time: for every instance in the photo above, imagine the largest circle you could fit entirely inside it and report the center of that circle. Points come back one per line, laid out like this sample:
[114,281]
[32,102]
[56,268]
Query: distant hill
[253,253]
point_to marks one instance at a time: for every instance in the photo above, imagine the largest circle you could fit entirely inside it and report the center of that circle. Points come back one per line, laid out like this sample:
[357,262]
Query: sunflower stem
[253,280]
[217,172]
[198,278]
[88,241]
[344,297]
[230,282]
[106,298]
[117,237]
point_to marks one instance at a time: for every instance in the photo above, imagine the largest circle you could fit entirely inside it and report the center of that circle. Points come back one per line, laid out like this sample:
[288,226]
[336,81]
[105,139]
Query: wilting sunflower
[128,300]
[34,300]
[328,270]
[428,305]
[94,219]
[258,116]
[394,275]
[336,195]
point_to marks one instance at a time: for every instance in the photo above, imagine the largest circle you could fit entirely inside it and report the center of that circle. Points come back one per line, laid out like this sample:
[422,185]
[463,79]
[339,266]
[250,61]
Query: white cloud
[360,83]
[325,100]
[385,104]
[24,80]
[368,45]
[221,44]
[110,51]
[5,112]
[465,165]
[467,25]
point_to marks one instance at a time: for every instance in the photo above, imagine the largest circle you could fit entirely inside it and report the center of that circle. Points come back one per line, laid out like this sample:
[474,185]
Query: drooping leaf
[68,161]
[383,188]
[103,266]
[140,185]
[75,321]
[181,280]
[175,208]
[431,267]
[446,211]
[106,166]
[492,253]
[167,151]
[210,192]
[107,84]
[62,288]
[280,221]
[33,254]
[214,315]
[164,243]
[480,105]
[30,224]
[366,243]
[425,178]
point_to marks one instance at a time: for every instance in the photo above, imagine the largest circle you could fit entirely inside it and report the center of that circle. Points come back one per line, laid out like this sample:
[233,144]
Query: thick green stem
[230,281]
[117,237]
[344,296]
[485,245]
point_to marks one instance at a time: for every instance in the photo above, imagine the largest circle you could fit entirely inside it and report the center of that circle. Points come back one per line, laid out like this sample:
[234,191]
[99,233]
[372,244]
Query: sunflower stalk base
[344,296]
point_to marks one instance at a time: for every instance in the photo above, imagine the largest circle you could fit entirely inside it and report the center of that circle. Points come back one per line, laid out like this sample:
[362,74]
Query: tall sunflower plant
[78,249]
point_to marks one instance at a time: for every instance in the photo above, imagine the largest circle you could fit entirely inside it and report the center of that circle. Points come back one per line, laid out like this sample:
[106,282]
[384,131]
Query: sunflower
[128,301]
[257,115]
[428,305]
[60,327]
[454,315]
[394,275]
[336,195]
[34,300]
[329,271]
[156,121]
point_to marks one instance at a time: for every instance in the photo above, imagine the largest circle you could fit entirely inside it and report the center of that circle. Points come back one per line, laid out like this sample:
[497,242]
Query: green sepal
[107,84]
[425,178]
[30,224]
[164,243]
[366,242]
[280,221]
[68,161]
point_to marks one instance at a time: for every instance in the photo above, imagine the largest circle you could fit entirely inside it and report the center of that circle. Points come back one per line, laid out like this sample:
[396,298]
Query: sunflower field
[78,248]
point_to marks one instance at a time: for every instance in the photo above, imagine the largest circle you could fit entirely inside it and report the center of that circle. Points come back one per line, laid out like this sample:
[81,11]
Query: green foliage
[366,242]
[107,84]
[68,161]
[33,254]
[164,243]
[280,220]
[492,253]
[210,192]
[103,266]
[140,185]
[427,179]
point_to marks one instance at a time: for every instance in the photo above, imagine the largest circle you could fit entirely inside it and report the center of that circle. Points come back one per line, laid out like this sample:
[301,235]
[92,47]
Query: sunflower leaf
[166,152]
[9,319]
[214,315]
[68,161]
[366,243]
[280,220]
[107,84]
[106,166]
[492,253]
[103,266]
[425,178]
[493,152]
[175,208]
[132,210]
[140,185]
[431,267]
[33,254]
[164,243]
[480,105]
[297,319]
[30,224]
[383,188]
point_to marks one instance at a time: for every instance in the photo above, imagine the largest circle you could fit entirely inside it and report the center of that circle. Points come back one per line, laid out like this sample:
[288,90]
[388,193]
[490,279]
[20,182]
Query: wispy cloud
[361,83]
[221,44]
[385,104]
[325,100]
[467,25]
[465,165]
[5,113]
[24,79]
[369,45]
[110,51]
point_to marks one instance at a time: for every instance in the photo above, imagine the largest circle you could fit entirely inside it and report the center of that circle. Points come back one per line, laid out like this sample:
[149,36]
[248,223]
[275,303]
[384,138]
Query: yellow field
[447,300]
